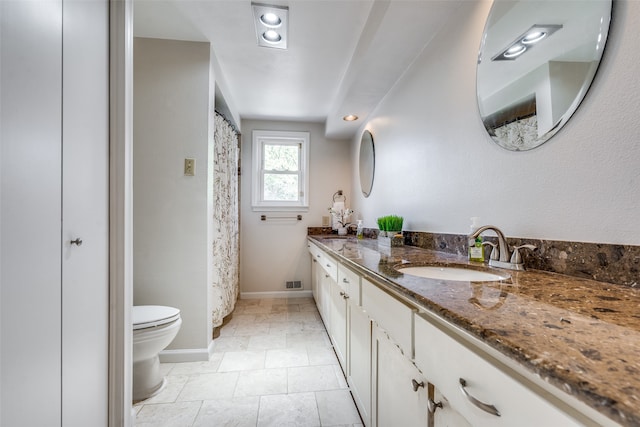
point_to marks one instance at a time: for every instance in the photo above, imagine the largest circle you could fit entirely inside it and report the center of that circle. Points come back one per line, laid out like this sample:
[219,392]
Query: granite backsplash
[619,264]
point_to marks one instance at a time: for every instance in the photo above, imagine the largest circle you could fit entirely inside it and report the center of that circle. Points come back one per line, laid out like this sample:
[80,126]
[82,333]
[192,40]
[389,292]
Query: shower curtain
[226,255]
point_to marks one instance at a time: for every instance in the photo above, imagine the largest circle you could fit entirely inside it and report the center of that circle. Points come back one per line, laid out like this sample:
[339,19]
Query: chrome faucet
[504,258]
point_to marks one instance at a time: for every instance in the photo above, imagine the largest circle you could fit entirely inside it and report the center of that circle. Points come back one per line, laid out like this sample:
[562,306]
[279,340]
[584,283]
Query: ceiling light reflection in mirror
[537,60]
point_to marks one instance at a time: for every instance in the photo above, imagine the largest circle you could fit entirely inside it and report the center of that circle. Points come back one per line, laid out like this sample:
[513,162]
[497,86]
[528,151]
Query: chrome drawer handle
[484,406]
[416,385]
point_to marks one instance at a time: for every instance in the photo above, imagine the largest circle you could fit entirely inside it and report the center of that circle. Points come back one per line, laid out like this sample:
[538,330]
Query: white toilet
[154,327]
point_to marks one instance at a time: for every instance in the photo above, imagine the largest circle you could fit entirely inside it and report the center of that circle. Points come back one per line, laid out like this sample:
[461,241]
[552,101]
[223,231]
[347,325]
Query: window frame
[262,137]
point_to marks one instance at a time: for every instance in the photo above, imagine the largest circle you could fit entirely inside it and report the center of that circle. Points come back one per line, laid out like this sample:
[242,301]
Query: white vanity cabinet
[359,359]
[326,274]
[401,362]
[314,277]
[316,271]
[391,314]
[400,390]
[475,388]
[339,323]
[445,415]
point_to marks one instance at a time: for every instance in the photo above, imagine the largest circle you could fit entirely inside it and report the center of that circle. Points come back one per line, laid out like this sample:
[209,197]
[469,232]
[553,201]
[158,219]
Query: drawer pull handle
[326,275]
[484,406]
[315,260]
[416,385]
[342,294]
[77,241]
[432,406]
[329,265]
[345,280]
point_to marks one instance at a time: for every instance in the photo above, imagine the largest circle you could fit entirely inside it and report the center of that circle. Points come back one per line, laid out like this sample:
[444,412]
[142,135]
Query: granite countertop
[580,335]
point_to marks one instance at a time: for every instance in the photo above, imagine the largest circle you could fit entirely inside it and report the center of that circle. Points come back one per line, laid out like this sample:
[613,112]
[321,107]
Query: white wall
[172,212]
[273,252]
[436,166]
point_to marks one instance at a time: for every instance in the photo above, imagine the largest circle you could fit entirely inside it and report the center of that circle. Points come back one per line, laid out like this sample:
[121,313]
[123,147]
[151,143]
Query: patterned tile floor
[273,366]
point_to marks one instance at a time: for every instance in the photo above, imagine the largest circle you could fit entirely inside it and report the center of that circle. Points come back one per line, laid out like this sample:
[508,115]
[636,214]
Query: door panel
[85,293]
[30,168]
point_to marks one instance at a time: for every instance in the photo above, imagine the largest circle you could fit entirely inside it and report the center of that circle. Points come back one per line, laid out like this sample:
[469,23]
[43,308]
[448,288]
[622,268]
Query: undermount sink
[453,273]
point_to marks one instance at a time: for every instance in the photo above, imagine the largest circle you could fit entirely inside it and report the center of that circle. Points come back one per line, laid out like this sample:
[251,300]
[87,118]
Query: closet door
[30,217]
[85,292]
[53,178]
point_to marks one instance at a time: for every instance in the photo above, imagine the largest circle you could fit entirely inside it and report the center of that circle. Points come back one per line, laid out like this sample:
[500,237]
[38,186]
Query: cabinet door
[445,415]
[338,331]
[396,402]
[359,359]
[314,278]
[324,291]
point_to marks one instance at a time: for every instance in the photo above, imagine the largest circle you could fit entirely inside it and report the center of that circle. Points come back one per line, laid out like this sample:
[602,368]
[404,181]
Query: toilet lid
[147,316]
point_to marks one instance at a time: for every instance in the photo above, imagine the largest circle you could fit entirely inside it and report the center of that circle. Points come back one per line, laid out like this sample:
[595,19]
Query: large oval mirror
[367,163]
[537,61]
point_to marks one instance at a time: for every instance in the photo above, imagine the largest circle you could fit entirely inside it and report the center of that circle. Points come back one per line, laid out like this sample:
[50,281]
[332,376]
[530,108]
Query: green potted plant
[390,230]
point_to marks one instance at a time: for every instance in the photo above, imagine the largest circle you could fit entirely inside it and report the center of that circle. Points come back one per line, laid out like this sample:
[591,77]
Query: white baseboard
[276,294]
[186,355]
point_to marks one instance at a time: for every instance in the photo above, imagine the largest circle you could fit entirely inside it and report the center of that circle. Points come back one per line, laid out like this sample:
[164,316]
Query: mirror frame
[518,118]
[367,163]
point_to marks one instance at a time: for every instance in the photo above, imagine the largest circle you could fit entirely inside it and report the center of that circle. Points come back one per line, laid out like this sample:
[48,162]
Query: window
[280,163]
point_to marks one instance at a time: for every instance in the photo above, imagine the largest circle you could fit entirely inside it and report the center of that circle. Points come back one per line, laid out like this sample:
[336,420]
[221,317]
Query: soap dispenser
[359,230]
[476,248]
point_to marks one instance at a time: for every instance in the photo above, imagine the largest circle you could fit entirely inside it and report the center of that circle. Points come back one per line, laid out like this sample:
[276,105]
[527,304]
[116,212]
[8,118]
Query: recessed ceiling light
[267,19]
[350,118]
[270,19]
[271,36]
[534,37]
[514,51]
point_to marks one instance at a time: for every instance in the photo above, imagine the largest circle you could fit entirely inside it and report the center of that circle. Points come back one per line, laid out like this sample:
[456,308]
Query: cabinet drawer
[445,361]
[392,315]
[314,250]
[350,283]
[329,265]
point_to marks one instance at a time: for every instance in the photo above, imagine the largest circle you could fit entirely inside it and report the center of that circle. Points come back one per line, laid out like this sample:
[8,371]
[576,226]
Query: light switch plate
[189,167]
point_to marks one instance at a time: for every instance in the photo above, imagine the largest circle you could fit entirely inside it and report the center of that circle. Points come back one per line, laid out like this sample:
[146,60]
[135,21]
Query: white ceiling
[343,56]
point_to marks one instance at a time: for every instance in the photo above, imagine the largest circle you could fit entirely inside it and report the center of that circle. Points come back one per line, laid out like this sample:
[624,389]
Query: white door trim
[120,211]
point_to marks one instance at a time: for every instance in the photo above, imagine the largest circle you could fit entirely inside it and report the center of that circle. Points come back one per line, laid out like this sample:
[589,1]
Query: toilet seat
[151,316]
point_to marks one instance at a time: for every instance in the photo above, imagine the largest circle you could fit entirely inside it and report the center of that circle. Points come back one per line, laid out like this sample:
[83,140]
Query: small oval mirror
[537,61]
[367,163]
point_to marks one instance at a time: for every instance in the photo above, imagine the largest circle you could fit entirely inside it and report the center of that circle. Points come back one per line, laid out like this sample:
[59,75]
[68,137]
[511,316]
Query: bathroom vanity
[531,349]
